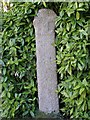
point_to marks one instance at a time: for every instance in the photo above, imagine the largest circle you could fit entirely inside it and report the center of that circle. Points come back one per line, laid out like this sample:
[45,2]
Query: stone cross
[44,25]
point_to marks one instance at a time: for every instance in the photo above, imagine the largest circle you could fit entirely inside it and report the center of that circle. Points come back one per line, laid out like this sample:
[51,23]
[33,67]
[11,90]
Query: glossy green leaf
[77,15]
[81,90]
[77,87]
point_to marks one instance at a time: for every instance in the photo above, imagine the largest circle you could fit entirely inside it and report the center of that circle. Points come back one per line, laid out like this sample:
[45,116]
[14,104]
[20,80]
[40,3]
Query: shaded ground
[40,116]
[50,116]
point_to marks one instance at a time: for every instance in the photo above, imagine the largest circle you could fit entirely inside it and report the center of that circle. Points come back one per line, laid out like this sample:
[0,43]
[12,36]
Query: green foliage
[19,62]
[73,59]
[18,83]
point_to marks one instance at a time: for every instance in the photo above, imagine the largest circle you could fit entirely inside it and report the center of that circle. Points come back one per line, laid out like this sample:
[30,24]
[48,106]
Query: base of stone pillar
[57,116]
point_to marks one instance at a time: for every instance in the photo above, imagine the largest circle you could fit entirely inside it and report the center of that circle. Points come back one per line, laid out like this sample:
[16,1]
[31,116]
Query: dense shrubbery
[19,69]
[73,59]
[19,91]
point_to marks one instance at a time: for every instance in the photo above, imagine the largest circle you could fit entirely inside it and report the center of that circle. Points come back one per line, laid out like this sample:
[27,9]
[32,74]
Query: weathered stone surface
[44,25]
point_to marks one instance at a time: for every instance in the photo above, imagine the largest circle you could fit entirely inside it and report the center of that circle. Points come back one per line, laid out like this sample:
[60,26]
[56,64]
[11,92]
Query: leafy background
[18,83]
[73,59]
[19,69]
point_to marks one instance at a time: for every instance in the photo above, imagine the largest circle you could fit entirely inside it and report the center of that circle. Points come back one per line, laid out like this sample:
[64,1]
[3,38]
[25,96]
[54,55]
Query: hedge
[19,85]
[73,59]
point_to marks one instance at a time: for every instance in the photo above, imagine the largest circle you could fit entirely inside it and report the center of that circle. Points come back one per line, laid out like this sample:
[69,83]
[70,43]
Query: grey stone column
[44,25]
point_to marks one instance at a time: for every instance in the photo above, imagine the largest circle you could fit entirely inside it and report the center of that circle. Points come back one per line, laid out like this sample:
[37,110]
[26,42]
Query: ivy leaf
[77,87]
[80,101]
[61,13]
[88,104]
[80,67]
[80,9]
[68,26]
[8,94]
[2,63]
[81,90]
[83,95]
[71,111]
[64,93]
[32,114]
[77,15]
[44,3]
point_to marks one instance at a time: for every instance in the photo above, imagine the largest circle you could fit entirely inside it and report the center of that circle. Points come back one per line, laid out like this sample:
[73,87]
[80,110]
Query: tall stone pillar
[44,25]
